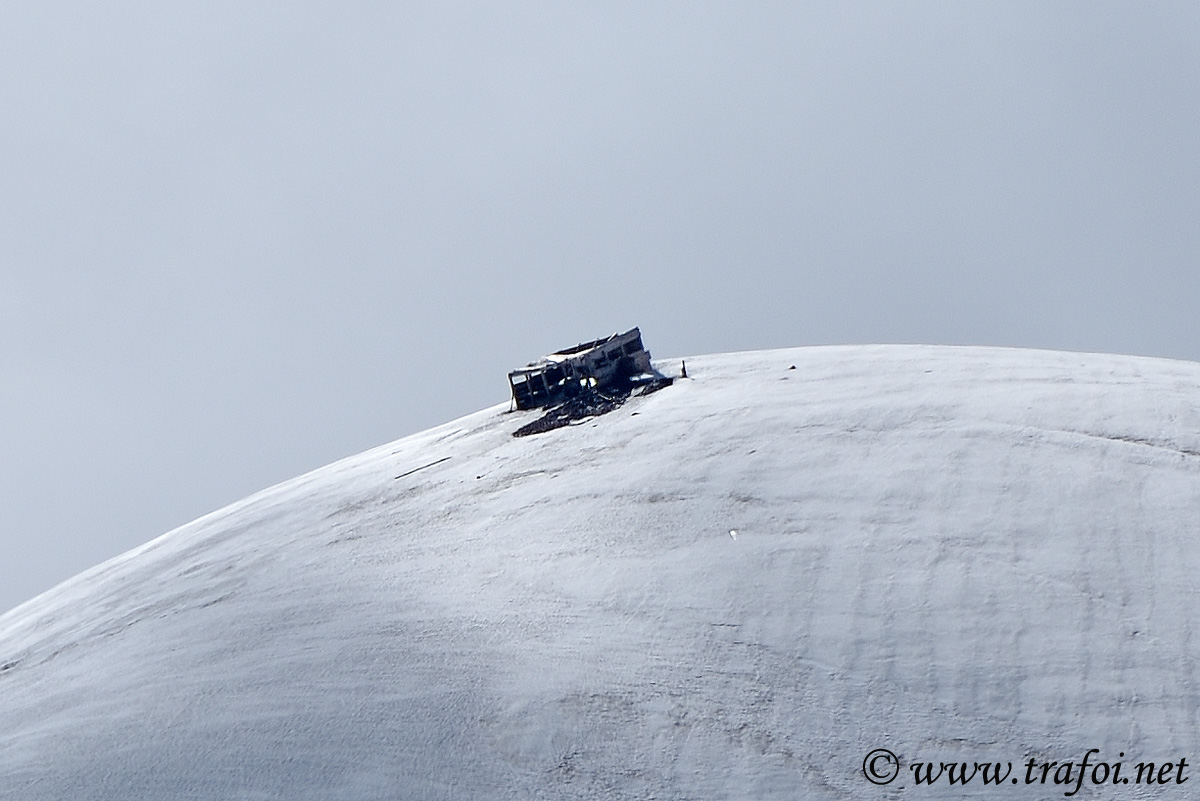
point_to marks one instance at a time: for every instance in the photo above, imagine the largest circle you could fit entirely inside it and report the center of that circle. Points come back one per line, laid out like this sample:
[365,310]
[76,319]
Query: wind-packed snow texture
[954,553]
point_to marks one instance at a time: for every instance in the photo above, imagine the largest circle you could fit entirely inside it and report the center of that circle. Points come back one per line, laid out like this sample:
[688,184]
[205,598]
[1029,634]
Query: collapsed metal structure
[612,362]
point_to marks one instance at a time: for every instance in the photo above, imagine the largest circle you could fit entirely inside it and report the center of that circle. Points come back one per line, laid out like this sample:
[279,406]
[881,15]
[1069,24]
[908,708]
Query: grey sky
[241,240]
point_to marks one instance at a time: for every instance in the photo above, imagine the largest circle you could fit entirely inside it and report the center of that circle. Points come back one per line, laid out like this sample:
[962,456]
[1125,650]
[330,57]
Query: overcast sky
[241,240]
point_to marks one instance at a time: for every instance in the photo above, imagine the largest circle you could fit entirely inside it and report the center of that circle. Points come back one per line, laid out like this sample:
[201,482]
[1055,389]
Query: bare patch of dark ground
[590,402]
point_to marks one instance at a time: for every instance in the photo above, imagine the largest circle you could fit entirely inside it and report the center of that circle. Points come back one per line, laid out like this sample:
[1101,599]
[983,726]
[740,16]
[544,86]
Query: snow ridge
[956,553]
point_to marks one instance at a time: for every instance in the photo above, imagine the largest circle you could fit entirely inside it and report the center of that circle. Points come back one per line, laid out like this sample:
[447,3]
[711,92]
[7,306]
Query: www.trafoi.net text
[881,766]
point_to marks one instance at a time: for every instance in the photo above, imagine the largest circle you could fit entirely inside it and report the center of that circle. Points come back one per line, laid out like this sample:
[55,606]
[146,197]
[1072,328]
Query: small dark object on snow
[422,467]
[683,370]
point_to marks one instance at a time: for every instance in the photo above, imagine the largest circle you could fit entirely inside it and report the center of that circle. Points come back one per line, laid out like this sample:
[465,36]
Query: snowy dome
[736,587]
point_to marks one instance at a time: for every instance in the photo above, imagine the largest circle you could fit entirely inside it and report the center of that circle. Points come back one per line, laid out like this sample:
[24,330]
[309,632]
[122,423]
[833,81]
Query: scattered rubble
[586,404]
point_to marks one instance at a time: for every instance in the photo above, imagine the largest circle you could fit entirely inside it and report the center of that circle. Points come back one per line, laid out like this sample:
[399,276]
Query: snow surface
[954,553]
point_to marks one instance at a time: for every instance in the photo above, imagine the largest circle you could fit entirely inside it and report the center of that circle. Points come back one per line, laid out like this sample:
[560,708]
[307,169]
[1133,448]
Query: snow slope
[954,553]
